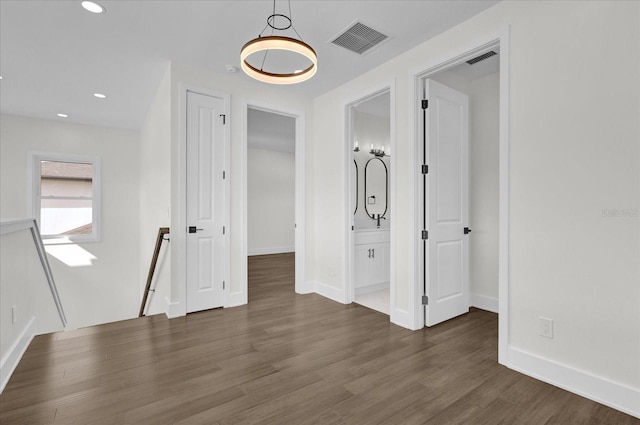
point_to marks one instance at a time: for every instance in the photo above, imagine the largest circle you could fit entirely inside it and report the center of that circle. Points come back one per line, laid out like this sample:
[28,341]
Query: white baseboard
[484,303]
[372,288]
[271,250]
[172,309]
[612,394]
[402,318]
[330,292]
[236,299]
[11,359]
[306,288]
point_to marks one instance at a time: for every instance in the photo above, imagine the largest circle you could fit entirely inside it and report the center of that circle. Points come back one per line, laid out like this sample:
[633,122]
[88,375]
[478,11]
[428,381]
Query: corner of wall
[330,292]
[403,318]
[484,302]
[173,309]
[13,356]
[236,299]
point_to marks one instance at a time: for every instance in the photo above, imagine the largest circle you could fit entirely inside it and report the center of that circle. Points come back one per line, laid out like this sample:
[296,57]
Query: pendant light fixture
[278,42]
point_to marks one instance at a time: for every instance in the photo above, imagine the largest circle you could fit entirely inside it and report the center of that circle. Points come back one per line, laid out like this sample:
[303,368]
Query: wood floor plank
[283,359]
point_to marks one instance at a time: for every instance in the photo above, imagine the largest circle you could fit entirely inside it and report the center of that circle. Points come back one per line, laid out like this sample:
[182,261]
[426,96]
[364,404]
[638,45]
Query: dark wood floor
[283,359]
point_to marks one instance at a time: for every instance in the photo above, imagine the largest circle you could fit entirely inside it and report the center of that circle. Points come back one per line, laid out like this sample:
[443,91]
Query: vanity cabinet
[371,258]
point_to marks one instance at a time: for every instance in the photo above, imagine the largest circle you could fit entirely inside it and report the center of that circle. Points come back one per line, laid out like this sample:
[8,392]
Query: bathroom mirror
[354,196]
[376,188]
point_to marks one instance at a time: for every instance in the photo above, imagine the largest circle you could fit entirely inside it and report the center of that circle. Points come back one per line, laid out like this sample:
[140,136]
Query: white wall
[270,201]
[574,154]
[483,189]
[155,195]
[24,285]
[107,289]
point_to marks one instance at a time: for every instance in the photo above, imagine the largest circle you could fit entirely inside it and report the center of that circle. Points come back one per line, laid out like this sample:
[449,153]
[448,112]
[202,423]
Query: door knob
[193,229]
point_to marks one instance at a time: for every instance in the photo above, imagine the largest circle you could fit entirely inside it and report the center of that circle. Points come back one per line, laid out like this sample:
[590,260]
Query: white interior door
[205,202]
[447,141]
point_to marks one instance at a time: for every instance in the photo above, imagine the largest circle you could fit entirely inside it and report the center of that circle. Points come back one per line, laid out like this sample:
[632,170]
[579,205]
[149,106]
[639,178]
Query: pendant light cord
[273,29]
[291,17]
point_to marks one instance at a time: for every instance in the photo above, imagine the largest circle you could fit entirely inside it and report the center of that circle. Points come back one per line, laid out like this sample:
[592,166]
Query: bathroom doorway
[370,142]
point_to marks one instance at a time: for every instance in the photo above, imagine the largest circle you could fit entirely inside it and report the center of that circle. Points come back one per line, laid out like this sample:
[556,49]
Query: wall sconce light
[379,152]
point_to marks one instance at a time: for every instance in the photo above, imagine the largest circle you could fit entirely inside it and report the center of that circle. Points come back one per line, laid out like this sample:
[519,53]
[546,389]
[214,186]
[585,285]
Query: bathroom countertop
[371,229]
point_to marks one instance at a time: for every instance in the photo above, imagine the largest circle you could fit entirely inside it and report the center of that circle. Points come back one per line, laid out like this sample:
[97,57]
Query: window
[65,196]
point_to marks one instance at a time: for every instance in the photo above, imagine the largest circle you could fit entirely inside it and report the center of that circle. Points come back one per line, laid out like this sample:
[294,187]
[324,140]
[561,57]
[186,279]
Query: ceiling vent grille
[481,57]
[359,38]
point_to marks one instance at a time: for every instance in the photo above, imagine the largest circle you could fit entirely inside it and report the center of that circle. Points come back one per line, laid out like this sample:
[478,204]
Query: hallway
[283,359]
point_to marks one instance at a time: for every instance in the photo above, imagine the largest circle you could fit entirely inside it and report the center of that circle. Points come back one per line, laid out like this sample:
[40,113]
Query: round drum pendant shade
[278,43]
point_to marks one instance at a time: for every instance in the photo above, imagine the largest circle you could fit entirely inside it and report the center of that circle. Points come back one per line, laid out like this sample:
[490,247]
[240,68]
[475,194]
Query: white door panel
[205,202]
[447,144]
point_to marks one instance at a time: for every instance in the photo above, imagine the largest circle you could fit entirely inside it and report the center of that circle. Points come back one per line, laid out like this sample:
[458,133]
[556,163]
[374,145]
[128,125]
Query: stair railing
[152,268]
[11,226]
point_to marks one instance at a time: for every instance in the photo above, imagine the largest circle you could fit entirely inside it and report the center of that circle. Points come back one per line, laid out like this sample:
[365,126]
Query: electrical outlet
[546,327]
[14,315]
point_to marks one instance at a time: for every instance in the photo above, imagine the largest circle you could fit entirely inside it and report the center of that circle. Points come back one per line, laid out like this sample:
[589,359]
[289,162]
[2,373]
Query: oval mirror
[355,186]
[376,188]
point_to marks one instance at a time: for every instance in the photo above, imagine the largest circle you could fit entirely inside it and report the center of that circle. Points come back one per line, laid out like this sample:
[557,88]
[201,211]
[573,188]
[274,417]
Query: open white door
[447,144]
[205,202]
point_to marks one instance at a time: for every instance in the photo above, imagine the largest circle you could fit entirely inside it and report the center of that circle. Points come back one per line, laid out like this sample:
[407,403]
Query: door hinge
[425,169]
[425,103]
[223,284]
[425,300]
[223,229]
[224,119]
[425,235]
[224,175]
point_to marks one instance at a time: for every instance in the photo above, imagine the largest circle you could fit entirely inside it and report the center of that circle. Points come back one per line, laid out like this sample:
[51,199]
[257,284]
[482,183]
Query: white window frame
[34,178]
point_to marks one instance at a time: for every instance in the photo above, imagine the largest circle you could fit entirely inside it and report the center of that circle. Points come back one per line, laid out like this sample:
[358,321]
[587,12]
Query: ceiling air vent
[359,38]
[481,57]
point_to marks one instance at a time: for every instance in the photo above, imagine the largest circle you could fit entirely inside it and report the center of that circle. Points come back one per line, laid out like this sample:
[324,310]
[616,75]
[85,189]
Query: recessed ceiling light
[93,7]
[0,77]
[100,95]
[63,115]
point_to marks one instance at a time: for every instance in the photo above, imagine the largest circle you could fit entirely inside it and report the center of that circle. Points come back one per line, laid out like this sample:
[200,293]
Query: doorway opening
[481,74]
[370,141]
[271,172]
[273,189]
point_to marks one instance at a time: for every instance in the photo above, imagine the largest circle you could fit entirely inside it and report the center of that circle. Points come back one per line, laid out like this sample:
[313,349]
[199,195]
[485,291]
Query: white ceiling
[54,55]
